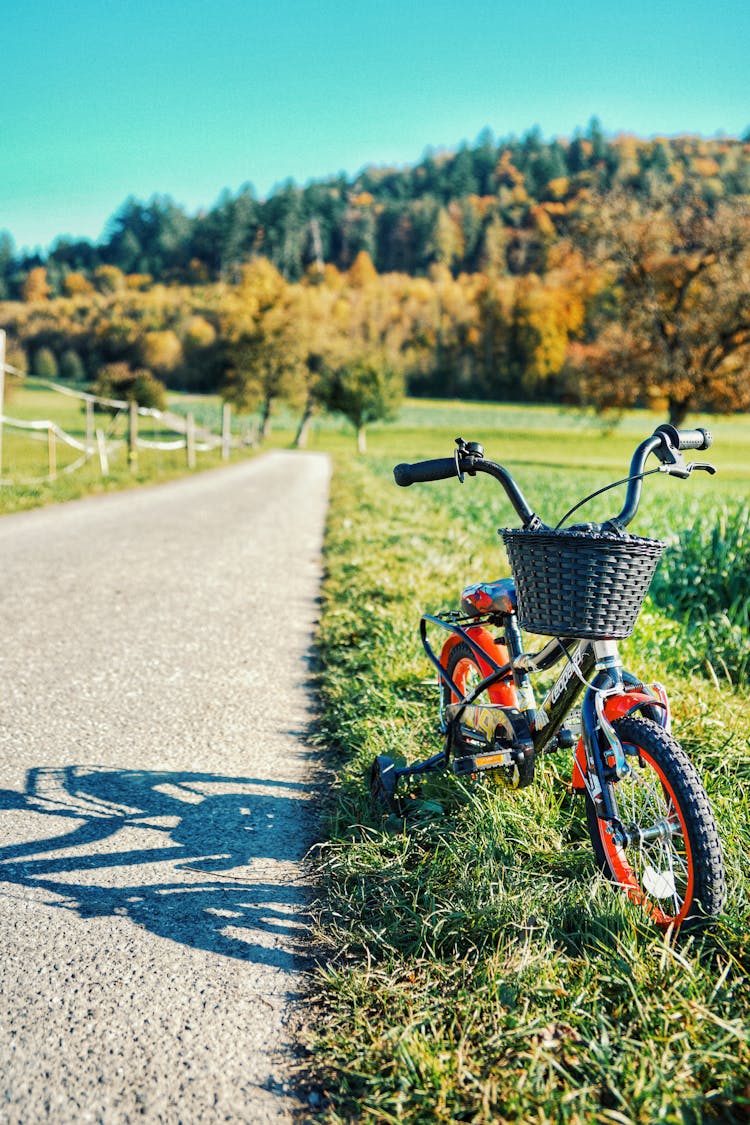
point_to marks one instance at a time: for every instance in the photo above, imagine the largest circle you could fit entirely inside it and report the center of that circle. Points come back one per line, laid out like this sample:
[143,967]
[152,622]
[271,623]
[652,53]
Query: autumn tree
[264,349]
[109,279]
[161,351]
[36,287]
[549,312]
[362,271]
[77,284]
[202,348]
[320,330]
[681,281]
[366,389]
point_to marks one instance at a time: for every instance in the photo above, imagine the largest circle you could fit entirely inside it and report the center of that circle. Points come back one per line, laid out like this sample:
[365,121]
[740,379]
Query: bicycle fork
[600,760]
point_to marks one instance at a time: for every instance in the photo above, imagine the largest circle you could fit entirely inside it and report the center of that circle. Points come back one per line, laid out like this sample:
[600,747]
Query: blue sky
[100,99]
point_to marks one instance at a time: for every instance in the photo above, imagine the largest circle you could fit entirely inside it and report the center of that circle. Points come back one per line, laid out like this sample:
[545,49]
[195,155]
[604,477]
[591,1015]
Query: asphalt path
[157,797]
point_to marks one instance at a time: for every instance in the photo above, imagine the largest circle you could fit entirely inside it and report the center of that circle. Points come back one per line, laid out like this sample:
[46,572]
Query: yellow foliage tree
[161,351]
[35,286]
[109,279]
[199,333]
[77,284]
[265,348]
[362,272]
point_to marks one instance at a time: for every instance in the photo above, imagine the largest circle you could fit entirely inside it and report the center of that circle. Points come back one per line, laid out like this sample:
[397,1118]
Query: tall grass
[705,579]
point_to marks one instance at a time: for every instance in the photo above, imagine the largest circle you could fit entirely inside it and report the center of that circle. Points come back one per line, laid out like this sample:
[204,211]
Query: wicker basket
[580,583]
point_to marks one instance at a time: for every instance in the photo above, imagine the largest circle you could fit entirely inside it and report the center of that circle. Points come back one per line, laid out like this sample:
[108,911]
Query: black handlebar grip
[696,439]
[687,439]
[442,468]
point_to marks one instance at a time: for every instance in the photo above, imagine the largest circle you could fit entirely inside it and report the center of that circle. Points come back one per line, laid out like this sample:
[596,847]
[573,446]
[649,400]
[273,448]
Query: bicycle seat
[489,597]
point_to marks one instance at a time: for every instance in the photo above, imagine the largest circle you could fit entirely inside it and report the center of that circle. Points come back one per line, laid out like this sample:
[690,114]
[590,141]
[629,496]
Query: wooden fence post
[89,427]
[102,449]
[226,431]
[190,440]
[133,436]
[52,452]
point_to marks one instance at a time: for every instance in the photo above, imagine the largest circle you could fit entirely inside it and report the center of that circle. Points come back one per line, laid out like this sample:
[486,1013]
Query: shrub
[45,364]
[71,366]
[119,381]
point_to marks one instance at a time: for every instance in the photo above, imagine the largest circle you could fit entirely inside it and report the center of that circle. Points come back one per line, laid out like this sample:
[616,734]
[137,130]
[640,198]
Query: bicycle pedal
[480,763]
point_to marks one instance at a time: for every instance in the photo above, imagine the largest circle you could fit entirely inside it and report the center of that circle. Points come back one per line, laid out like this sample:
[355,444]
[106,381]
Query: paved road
[154,796]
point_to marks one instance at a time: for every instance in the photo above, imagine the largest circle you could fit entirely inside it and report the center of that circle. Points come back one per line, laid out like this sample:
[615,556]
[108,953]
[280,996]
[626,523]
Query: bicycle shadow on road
[212,862]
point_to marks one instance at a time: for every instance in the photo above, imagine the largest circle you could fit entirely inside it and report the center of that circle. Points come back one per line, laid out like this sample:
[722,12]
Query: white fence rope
[170,420]
[46,425]
[146,443]
[194,438]
[71,468]
[204,439]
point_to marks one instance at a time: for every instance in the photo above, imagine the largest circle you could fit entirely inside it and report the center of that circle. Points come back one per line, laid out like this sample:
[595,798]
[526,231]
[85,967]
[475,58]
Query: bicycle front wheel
[672,864]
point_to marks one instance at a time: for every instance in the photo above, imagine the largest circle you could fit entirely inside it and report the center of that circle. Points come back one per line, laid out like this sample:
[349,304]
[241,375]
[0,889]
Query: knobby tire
[678,877]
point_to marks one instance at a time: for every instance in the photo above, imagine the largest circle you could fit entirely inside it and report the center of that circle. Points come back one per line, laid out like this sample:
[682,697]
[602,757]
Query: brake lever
[704,465]
[683,471]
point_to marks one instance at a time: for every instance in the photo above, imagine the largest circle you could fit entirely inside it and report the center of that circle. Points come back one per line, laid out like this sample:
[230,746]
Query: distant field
[526,438]
[26,459]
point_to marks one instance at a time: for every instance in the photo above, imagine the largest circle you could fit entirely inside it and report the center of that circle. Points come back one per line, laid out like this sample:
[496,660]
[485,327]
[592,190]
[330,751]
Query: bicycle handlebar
[666,443]
[442,468]
[466,460]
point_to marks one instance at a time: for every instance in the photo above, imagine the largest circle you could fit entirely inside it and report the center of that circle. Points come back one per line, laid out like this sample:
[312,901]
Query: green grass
[26,457]
[478,967]
[528,438]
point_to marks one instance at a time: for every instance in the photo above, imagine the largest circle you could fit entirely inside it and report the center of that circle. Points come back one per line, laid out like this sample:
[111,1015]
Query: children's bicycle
[648,816]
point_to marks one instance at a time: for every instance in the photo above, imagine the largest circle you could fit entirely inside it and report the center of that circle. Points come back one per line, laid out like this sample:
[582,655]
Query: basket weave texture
[580,583]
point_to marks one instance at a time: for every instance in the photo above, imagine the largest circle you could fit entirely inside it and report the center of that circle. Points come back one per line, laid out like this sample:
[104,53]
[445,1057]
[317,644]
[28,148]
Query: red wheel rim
[464,670]
[626,874]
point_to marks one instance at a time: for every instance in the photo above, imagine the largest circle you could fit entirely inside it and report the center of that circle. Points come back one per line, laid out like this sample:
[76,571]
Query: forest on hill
[594,269]
[488,206]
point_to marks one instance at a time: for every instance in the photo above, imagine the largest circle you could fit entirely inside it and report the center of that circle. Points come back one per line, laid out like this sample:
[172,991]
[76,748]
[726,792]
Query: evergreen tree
[71,366]
[45,364]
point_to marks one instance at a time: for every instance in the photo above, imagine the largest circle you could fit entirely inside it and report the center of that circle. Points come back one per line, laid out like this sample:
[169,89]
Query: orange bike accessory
[504,691]
[617,707]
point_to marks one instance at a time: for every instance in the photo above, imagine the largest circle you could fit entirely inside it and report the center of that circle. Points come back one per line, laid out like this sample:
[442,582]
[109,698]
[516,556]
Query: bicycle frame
[599,759]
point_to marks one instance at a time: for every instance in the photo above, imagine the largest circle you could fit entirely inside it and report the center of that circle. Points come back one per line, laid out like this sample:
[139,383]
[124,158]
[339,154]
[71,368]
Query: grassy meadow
[477,967]
[25,461]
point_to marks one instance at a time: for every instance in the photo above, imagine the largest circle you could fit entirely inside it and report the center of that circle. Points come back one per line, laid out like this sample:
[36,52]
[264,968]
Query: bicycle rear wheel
[463,668]
[672,865]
